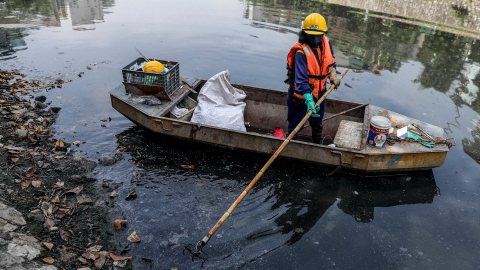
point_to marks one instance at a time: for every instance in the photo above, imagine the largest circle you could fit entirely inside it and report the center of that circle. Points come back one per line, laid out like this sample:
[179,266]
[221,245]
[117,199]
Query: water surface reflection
[294,218]
[289,201]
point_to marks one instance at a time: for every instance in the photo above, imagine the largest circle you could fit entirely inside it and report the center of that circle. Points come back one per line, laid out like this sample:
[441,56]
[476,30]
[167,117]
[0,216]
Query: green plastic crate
[170,80]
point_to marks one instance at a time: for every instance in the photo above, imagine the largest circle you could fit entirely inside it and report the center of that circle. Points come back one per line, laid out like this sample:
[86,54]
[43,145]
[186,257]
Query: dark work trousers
[297,109]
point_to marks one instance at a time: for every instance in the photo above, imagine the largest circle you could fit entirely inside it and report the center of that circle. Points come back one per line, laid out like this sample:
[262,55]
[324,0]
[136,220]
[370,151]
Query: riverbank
[53,212]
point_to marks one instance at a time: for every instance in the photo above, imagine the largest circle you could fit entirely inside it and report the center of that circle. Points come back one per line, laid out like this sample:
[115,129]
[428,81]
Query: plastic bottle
[169,64]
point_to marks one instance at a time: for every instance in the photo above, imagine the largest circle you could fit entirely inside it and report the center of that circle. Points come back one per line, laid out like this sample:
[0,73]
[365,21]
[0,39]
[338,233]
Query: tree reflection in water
[366,40]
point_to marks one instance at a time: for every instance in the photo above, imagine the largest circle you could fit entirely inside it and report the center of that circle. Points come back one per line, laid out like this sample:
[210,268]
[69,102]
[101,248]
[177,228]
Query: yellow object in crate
[153,67]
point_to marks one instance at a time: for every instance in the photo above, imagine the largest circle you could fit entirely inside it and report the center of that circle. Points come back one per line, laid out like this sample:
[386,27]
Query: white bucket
[378,131]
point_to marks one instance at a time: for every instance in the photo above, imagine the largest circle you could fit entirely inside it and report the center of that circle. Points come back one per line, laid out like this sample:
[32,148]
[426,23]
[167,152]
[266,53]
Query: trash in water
[134,237]
[59,143]
[118,258]
[59,184]
[47,245]
[147,99]
[131,196]
[31,170]
[75,190]
[48,260]
[119,223]
[36,183]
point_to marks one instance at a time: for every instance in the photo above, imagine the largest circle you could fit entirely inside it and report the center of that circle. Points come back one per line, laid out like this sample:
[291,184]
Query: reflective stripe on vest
[317,72]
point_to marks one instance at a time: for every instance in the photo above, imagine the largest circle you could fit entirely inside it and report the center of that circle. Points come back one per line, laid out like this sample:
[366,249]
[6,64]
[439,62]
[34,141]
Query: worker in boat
[309,63]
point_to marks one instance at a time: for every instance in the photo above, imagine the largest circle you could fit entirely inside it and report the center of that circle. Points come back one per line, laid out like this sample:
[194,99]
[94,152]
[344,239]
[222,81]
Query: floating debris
[119,223]
[134,237]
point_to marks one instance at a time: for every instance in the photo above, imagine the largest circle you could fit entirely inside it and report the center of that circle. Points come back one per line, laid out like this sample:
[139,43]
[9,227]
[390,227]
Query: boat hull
[298,150]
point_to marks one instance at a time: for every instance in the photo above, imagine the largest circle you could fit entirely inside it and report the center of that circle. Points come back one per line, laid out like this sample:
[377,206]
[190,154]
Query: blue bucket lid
[381,122]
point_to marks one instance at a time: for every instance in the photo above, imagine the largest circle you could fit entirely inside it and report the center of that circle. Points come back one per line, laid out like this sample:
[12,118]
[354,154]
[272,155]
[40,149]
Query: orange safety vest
[317,72]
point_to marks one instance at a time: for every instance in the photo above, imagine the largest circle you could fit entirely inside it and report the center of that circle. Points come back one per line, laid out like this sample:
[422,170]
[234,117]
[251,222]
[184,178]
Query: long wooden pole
[204,241]
[144,57]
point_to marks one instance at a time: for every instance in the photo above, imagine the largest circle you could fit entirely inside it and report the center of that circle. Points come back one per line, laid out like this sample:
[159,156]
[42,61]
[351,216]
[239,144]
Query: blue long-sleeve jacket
[301,70]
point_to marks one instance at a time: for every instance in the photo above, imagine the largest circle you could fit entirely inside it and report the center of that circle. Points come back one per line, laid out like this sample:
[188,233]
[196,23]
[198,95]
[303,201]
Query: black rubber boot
[288,134]
[317,135]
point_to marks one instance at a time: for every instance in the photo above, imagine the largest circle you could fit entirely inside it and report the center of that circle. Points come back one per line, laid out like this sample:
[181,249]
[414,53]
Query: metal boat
[266,110]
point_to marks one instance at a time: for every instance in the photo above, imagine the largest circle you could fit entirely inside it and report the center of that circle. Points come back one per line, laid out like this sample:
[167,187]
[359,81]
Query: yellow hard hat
[315,24]
[153,67]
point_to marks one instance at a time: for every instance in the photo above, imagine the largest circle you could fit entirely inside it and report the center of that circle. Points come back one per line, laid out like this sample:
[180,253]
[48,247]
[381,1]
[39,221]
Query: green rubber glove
[311,105]
[419,139]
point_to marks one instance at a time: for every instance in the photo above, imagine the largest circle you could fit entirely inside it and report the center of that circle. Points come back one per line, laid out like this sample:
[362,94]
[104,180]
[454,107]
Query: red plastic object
[278,132]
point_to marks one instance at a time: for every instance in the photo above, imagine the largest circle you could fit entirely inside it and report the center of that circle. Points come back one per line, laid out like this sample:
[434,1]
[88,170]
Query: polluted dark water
[417,58]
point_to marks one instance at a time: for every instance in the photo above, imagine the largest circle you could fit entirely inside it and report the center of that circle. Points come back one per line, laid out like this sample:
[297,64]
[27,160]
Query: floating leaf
[118,223]
[50,210]
[120,150]
[49,260]
[31,139]
[95,248]
[62,212]
[90,255]
[49,223]
[14,148]
[118,258]
[31,170]
[84,268]
[36,183]
[100,261]
[58,185]
[131,196]
[56,199]
[82,260]
[25,184]
[75,190]
[59,143]
[47,245]
[113,194]
[14,158]
[134,237]
[188,166]
[64,235]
